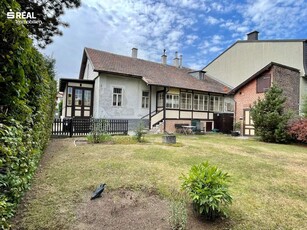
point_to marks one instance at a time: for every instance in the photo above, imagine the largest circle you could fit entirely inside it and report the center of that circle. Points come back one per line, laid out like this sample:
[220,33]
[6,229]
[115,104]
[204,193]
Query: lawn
[268,181]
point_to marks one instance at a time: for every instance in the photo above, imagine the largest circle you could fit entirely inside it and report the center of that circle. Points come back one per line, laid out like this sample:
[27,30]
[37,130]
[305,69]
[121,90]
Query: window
[87,97]
[172,101]
[186,101]
[117,97]
[69,96]
[145,99]
[216,104]
[263,83]
[229,107]
[78,97]
[160,99]
[200,102]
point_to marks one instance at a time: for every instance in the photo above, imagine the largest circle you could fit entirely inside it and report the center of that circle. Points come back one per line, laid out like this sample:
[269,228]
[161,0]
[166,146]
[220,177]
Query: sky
[199,30]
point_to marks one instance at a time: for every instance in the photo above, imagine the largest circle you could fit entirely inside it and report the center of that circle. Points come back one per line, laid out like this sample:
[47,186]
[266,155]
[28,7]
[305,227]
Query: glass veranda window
[186,101]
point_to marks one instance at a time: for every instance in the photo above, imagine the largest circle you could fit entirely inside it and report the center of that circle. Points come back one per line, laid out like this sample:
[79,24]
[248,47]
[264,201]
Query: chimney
[180,61]
[252,36]
[164,58]
[176,60]
[134,53]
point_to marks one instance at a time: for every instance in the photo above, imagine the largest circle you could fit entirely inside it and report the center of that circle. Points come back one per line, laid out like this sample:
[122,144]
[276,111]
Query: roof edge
[255,75]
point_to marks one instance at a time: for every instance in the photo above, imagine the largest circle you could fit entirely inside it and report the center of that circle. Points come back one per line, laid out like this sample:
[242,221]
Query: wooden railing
[83,126]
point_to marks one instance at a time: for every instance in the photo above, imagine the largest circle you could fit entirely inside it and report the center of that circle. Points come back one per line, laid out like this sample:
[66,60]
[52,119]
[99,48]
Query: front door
[248,125]
[82,102]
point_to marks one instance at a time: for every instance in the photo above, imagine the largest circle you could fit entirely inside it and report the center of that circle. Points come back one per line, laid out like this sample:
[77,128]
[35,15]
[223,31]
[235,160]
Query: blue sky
[198,29]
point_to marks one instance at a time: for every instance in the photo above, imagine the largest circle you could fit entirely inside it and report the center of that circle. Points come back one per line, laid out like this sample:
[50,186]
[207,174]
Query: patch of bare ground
[126,209]
[123,209]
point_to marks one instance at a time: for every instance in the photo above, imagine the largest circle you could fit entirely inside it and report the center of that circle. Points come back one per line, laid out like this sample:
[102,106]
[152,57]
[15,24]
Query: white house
[113,86]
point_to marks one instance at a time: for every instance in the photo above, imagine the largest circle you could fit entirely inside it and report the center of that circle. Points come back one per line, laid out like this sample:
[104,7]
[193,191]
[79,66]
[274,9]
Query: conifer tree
[270,118]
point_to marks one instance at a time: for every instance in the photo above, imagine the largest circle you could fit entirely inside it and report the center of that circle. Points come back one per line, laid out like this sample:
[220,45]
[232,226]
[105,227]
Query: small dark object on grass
[98,191]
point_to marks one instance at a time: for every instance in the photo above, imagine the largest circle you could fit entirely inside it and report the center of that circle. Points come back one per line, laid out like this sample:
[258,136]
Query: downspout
[150,106]
[164,109]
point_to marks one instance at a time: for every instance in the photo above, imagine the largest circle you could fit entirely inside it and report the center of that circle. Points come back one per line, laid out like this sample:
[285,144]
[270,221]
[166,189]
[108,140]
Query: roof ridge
[140,59]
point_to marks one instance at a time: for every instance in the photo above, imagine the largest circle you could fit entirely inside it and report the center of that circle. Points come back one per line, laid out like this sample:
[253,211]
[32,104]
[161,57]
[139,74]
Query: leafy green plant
[237,126]
[139,132]
[178,212]
[98,133]
[207,187]
[178,217]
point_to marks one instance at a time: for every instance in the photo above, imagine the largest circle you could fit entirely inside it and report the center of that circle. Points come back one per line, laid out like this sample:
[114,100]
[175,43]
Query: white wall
[89,73]
[132,97]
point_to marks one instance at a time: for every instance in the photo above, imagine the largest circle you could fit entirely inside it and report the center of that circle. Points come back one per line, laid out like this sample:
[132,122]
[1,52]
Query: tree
[48,12]
[270,118]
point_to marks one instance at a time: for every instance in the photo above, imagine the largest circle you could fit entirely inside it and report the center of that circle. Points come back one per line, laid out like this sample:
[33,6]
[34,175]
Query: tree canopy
[49,13]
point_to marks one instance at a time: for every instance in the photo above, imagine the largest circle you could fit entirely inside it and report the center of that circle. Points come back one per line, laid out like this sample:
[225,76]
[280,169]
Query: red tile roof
[151,72]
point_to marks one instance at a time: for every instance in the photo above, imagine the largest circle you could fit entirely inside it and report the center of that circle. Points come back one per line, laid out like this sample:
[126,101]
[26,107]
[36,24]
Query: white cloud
[175,25]
[276,19]
[212,20]
[191,38]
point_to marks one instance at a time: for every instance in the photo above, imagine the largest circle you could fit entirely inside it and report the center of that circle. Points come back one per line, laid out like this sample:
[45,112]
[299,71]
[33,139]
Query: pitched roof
[261,71]
[150,72]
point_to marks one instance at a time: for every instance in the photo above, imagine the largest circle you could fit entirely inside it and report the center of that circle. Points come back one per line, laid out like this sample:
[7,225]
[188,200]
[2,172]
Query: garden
[146,184]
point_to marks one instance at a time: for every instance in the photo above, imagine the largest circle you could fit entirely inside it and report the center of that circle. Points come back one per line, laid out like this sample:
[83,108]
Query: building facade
[156,94]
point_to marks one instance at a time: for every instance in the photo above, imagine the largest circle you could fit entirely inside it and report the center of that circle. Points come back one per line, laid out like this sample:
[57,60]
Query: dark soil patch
[123,209]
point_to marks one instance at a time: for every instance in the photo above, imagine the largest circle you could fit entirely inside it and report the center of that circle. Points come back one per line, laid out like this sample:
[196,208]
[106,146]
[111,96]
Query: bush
[139,132]
[298,130]
[207,187]
[98,133]
[270,118]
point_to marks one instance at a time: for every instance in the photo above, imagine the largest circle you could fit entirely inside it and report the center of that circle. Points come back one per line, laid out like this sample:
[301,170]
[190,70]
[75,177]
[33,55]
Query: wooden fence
[83,126]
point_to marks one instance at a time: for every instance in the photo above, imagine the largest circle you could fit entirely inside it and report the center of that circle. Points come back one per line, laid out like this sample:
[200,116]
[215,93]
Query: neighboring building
[59,98]
[244,58]
[119,87]
[245,94]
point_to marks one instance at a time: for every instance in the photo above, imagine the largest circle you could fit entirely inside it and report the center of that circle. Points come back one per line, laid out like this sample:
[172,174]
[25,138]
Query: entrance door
[209,126]
[82,102]
[248,125]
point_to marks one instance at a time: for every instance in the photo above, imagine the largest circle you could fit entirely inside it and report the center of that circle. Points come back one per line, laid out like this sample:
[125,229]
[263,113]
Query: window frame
[118,103]
[263,81]
[172,100]
[204,99]
[145,100]
[185,101]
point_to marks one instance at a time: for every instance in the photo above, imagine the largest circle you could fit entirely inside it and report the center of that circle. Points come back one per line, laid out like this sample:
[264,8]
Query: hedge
[27,104]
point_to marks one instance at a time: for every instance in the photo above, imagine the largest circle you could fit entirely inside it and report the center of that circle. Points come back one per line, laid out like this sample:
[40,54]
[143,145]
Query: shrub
[139,132]
[98,133]
[298,130]
[207,187]
[270,118]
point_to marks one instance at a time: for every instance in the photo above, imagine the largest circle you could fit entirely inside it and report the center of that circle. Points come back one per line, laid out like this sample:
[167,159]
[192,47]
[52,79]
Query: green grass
[268,181]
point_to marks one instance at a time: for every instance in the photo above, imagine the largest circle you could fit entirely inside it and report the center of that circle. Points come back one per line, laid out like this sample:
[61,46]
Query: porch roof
[64,81]
[151,72]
